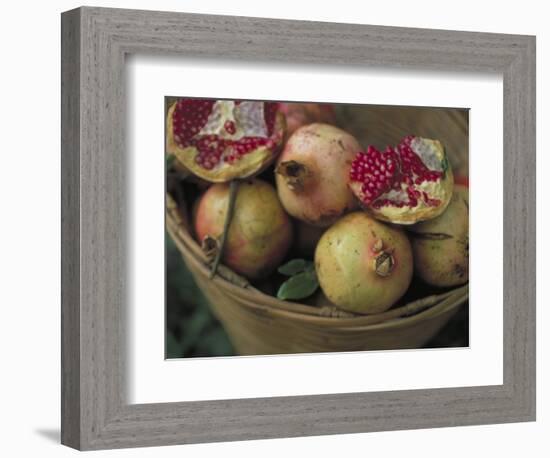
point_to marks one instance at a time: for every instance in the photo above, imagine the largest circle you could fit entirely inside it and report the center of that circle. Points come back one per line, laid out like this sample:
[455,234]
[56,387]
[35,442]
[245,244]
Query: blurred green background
[191,329]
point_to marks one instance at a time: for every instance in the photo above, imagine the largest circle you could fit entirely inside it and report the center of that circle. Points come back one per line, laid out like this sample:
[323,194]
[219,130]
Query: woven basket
[258,323]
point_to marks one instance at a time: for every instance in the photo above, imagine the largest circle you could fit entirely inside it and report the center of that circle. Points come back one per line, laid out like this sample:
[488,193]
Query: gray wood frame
[95,413]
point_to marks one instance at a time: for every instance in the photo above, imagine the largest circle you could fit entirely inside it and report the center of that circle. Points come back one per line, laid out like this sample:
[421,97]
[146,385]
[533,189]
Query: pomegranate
[219,140]
[260,232]
[403,185]
[441,245]
[363,265]
[301,114]
[311,174]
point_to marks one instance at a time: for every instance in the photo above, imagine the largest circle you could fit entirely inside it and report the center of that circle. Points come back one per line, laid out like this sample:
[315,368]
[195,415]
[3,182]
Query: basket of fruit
[307,234]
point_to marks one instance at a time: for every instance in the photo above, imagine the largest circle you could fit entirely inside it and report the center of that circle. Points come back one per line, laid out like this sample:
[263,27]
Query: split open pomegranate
[219,140]
[403,185]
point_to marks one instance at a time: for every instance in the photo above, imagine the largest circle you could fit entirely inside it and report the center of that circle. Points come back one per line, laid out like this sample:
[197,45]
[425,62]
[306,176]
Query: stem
[296,174]
[233,186]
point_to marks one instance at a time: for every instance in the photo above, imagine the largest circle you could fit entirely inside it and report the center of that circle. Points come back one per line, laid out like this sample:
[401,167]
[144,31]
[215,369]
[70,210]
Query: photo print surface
[297,227]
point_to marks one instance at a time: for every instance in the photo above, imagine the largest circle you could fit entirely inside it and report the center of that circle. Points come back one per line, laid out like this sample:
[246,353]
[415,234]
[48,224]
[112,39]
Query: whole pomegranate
[301,114]
[441,245]
[363,265]
[312,173]
[403,185]
[219,140]
[260,232]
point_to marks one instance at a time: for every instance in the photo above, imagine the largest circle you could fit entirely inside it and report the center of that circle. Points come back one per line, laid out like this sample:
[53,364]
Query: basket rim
[256,299]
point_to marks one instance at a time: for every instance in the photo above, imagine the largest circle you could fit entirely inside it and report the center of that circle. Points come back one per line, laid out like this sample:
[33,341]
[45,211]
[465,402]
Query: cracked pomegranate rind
[219,140]
[404,185]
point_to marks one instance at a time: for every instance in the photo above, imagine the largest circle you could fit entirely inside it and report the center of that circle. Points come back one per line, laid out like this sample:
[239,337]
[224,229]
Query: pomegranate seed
[229,127]
[190,113]
[369,168]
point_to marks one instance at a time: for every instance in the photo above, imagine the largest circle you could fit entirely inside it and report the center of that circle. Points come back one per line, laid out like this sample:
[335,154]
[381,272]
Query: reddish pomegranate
[219,140]
[312,172]
[403,185]
[260,232]
[441,245]
[363,265]
[301,114]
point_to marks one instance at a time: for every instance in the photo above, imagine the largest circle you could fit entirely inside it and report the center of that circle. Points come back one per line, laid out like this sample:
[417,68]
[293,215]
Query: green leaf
[294,267]
[169,159]
[299,286]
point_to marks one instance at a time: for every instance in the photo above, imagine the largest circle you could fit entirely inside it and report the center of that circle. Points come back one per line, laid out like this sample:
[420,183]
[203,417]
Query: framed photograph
[277,228]
[321,179]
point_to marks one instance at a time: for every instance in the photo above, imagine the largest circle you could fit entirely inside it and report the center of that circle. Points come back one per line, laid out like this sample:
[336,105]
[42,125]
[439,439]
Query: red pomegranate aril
[414,193]
[190,113]
[432,202]
[367,168]
[229,126]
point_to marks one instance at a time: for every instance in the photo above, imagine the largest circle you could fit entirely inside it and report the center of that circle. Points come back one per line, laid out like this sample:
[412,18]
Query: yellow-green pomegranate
[441,245]
[260,232]
[363,265]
